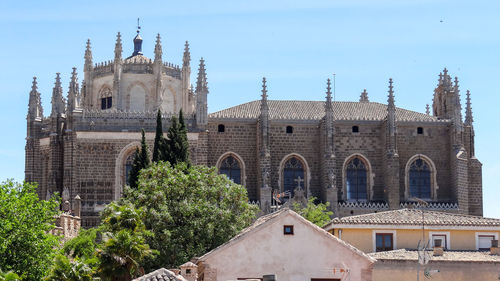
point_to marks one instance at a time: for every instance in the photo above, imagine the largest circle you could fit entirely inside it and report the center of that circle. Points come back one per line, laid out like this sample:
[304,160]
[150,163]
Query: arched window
[128,167]
[293,175]
[231,168]
[420,179]
[106,98]
[356,180]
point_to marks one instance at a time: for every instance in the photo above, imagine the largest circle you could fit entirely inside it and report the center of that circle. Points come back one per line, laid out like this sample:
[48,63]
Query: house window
[231,168]
[420,130]
[384,242]
[289,129]
[356,180]
[484,241]
[420,179]
[443,238]
[355,129]
[128,167]
[288,229]
[221,128]
[293,175]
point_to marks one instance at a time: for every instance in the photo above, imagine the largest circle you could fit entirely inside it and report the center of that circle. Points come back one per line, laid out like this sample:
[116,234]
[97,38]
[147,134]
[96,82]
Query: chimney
[438,248]
[494,247]
[189,271]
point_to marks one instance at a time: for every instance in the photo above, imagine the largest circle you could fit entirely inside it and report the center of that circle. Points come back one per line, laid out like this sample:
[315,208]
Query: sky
[296,45]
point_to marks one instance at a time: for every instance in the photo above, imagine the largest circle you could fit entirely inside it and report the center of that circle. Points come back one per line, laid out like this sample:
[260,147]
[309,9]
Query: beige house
[404,228]
[285,245]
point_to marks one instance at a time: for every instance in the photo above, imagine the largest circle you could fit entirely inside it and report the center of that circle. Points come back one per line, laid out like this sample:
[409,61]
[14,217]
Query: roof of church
[315,110]
[448,255]
[161,274]
[414,217]
[138,59]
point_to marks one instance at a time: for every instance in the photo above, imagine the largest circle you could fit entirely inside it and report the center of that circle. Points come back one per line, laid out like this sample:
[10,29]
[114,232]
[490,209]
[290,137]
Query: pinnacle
[58,79]
[427,109]
[264,88]
[364,96]
[391,94]
[468,110]
[34,86]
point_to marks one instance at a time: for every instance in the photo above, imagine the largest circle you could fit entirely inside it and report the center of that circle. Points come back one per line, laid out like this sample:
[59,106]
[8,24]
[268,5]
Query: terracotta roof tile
[315,110]
[448,255]
[414,216]
[161,274]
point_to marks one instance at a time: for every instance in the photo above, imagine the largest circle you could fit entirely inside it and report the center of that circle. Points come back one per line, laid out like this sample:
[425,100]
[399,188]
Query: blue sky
[297,45]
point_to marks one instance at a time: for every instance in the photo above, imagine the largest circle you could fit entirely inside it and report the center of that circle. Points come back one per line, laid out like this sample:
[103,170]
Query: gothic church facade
[360,156]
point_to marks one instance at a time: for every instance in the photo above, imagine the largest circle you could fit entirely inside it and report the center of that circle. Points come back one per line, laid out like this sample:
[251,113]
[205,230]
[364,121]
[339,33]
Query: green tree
[9,276]
[190,210]
[26,247]
[141,161]
[83,246]
[159,140]
[177,142]
[315,213]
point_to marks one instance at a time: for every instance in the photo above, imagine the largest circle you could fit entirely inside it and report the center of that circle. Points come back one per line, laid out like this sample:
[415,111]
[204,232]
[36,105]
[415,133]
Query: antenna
[334,87]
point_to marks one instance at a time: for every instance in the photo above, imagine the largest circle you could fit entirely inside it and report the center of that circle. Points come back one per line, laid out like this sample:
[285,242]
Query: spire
[158,50]
[264,89]
[137,41]
[187,55]
[73,92]
[35,110]
[455,86]
[328,103]
[88,56]
[57,98]
[391,122]
[118,48]
[364,96]
[201,83]
[427,109]
[468,111]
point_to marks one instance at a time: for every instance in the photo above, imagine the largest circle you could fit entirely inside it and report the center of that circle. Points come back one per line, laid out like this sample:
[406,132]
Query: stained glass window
[356,180]
[231,168]
[420,179]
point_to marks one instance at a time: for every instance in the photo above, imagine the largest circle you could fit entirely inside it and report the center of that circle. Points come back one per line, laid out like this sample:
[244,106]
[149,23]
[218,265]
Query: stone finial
[264,89]
[390,100]
[158,49]
[118,48]
[88,54]
[427,109]
[73,92]
[364,96]
[328,90]
[440,81]
[66,206]
[468,111]
[77,206]
[58,106]
[35,110]
[186,58]
[201,82]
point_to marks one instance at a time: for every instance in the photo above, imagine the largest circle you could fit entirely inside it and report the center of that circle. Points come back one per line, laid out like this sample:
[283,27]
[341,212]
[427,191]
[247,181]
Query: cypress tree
[141,161]
[177,141]
[159,140]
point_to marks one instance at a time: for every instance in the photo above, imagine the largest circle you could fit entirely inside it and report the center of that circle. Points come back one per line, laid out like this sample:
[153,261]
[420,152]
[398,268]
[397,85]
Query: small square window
[289,129]
[355,129]
[288,229]
[188,270]
[221,128]
[420,130]
[384,242]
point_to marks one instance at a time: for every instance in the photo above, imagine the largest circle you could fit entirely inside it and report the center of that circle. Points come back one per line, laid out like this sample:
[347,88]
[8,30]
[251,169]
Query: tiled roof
[138,59]
[161,274]
[315,110]
[414,216]
[448,255]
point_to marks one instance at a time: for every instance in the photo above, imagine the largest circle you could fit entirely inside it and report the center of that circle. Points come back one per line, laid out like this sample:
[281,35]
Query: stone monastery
[360,156]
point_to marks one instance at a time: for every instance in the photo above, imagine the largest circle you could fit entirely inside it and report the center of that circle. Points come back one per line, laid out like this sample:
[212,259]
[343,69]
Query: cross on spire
[138,26]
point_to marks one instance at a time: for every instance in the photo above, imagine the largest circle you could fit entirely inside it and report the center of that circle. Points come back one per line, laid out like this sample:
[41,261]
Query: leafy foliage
[66,270]
[26,247]
[315,213]
[83,246]
[9,276]
[190,210]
